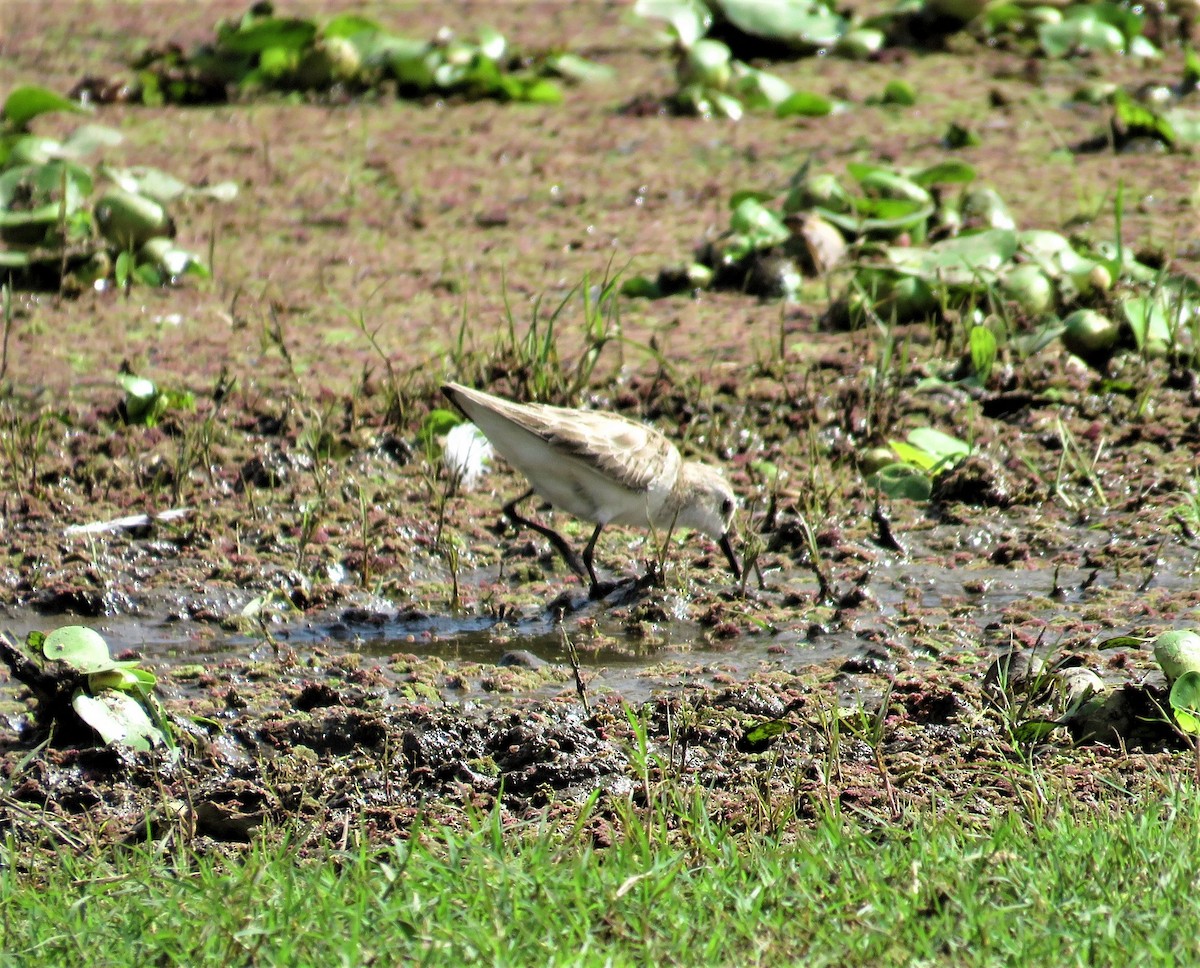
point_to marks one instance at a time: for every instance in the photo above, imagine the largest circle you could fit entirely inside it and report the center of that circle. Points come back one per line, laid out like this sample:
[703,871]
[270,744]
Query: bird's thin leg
[587,558]
[583,568]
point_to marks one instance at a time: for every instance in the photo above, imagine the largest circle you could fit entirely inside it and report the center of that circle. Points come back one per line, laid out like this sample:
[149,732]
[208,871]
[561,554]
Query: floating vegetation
[57,231]
[347,54]
[915,249]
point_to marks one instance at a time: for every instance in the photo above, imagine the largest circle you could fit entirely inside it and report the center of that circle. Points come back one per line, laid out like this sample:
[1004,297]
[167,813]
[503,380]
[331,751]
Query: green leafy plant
[711,80]
[1185,705]
[77,673]
[146,404]
[53,227]
[902,245]
[263,51]
[1185,701]
[926,454]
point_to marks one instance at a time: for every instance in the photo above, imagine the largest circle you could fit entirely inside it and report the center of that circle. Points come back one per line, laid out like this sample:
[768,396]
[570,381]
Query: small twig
[6,309]
[573,655]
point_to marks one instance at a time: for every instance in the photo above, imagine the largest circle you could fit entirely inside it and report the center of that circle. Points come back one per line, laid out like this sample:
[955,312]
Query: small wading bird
[600,467]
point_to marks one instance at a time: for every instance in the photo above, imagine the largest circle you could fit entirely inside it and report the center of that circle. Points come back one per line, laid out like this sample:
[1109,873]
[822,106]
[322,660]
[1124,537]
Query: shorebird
[600,467]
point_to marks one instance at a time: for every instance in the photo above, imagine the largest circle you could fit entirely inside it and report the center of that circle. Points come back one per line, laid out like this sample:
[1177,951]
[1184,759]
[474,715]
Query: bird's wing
[632,454]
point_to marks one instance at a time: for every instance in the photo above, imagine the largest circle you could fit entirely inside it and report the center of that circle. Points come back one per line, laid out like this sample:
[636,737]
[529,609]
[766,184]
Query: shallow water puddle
[918,609]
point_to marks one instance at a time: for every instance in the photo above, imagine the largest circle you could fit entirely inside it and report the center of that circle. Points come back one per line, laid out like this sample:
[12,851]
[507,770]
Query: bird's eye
[726,508]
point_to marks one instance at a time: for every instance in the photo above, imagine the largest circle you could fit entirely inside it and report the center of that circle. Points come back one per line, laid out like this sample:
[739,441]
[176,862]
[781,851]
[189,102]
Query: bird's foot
[602,589]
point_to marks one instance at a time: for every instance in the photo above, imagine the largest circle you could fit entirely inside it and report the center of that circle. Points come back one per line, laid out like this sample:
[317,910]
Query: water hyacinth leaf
[1185,701]
[893,295]
[946,449]
[128,220]
[144,402]
[170,260]
[759,224]
[1142,47]
[1177,652]
[79,648]
[350,26]
[1122,263]
[766,731]
[27,187]
[761,89]
[137,388]
[804,104]
[1087,333]
[88,138]
[879,182]
[26,102]
[34,150]
[902,481]
[492,43]
[538,90]
[735,247]
[860,43]
[699,276]
[1050,251]
[1123,17]
[726,106]
[689,20]
[742,194]
[149,182]
[1080,34]
[1147,319]
[821,190]
[913,456]
[1184,123]
[997,16]
[963,260]
[1123,642]
[414,68]
[119,719]
[802,24]
[1029,287]
[880,217]
[707,63]
[258,35]
[274,65]
[121,677]
[1191,66]
[576,68]
[982,206]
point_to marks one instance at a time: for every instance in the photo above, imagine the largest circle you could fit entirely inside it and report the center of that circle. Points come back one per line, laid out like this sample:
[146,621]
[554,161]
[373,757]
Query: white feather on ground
[467,454]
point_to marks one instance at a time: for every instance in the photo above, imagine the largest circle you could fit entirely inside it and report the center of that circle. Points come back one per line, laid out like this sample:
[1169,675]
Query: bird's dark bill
[730,557]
